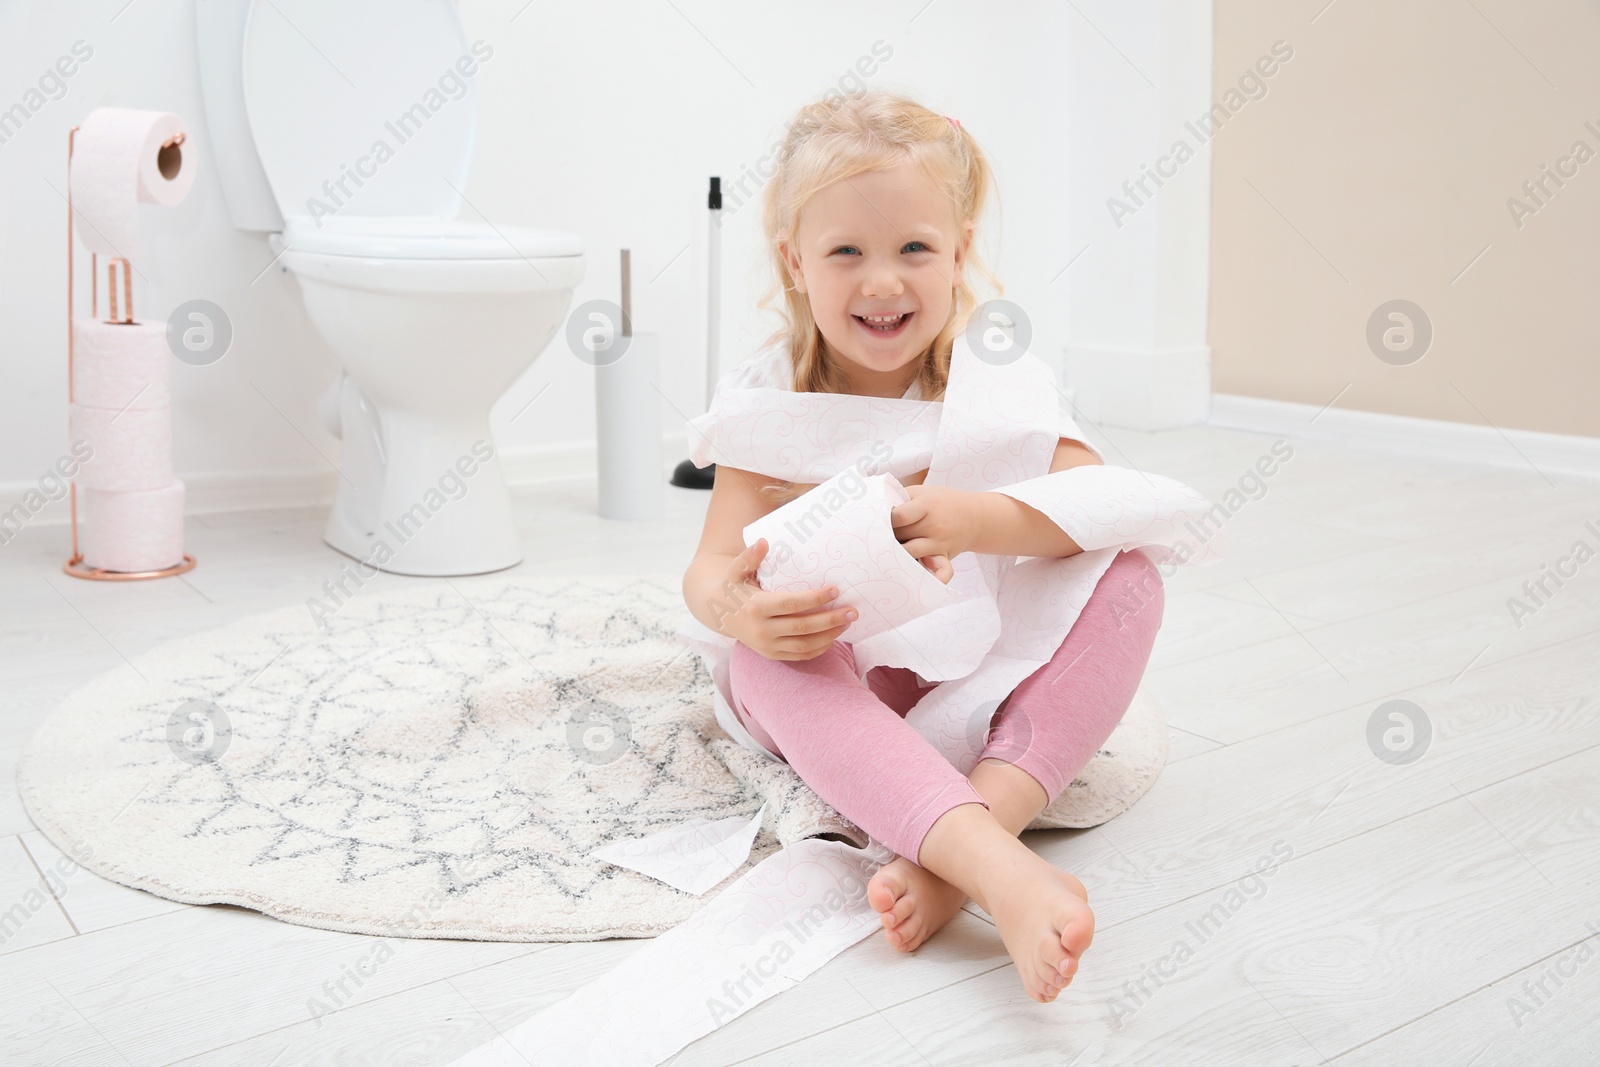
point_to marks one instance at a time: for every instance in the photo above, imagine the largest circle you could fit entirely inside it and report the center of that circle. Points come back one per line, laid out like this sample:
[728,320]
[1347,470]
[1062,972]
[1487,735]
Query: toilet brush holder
[627,383]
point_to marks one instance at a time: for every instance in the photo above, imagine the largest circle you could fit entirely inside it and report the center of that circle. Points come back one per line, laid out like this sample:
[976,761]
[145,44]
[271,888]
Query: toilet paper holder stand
[75,565]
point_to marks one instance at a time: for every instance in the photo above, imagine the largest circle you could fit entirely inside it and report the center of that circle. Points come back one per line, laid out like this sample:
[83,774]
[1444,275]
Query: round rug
[439,762]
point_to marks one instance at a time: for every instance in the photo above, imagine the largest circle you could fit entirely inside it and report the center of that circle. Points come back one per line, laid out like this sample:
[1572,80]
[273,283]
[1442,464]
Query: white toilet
[345,131]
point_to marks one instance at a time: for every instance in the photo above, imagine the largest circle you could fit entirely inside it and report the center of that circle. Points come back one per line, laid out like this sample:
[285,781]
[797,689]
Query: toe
[1052,954]
[1065,973]
[904,910]
[1076,923]
[1075,938]
[1047,978]
[885,889]
[906,936]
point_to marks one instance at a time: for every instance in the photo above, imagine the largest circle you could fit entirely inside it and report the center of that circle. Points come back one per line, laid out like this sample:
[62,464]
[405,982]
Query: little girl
[870,218]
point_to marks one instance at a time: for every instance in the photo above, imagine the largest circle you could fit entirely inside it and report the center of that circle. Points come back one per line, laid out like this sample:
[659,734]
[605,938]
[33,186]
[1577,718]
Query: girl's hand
[937,524]
[780,625]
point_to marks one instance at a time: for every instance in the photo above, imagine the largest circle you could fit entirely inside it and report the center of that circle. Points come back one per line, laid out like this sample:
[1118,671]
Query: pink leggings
[850,742]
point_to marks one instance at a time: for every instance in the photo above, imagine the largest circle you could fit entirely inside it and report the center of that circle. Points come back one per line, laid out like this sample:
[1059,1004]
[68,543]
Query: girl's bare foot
[1043,917]
[912,902]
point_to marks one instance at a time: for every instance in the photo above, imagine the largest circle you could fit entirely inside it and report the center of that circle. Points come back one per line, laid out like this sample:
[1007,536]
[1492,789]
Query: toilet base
[432,503]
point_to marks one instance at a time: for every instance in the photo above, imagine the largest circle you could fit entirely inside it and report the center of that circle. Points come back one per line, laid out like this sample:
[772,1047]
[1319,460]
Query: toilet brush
[687,474]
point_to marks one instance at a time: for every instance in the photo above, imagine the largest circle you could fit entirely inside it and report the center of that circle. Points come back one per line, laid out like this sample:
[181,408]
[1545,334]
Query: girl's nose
[882,283]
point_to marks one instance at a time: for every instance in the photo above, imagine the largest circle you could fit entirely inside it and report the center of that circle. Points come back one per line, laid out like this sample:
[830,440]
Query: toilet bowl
[344,131]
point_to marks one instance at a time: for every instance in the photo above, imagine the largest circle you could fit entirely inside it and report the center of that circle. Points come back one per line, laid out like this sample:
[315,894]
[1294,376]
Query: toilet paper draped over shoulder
[1000,617]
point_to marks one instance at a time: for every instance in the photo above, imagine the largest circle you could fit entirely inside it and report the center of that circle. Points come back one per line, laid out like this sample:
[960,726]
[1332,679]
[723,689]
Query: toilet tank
[219,37]
[354,107]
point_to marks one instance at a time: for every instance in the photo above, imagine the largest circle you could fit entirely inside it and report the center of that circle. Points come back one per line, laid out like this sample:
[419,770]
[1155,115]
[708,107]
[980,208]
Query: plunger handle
[686,474]
[714,285]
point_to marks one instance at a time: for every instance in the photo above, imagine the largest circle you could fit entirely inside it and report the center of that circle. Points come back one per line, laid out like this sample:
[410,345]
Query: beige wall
[1391,142]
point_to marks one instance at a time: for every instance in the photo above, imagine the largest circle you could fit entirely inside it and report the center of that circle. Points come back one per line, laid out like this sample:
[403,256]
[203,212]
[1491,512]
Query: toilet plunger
[686,474]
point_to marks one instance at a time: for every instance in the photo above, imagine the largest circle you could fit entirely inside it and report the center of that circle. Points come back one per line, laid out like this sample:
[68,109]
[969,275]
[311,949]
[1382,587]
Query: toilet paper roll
[117,161]
[132,449]
[840,534]
[121,365]
[141,530]
[628,413]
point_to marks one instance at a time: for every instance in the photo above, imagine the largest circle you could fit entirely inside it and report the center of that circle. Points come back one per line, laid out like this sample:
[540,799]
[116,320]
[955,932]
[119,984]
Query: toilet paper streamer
[775,926]
[121,365]
[118,161]
[996,430]
[132,448]
[137,530]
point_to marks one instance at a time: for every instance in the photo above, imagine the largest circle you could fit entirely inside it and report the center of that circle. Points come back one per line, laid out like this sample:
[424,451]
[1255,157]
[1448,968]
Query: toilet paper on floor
[692,856]
[768,931]
[121,157]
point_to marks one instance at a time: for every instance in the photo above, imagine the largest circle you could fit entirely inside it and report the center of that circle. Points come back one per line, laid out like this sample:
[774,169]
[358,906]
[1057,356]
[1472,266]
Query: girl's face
[883,243]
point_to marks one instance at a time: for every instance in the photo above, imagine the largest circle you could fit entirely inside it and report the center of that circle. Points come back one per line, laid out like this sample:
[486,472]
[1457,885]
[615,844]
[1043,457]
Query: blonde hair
[831,140]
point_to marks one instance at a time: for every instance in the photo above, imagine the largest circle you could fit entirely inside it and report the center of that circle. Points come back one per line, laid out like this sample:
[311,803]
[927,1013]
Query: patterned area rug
[438,762]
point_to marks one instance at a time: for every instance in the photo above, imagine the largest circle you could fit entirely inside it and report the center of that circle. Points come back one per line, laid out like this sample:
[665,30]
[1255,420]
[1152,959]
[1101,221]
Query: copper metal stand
[75,566]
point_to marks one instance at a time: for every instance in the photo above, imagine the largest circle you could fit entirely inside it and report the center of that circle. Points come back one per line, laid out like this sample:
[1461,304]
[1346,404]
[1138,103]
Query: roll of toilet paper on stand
[119,365]
[137,530]
[122,157]
[628,414]
[840,533]
[132,448]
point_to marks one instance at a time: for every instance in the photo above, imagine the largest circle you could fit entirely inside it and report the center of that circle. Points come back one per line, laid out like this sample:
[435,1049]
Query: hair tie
[954,122]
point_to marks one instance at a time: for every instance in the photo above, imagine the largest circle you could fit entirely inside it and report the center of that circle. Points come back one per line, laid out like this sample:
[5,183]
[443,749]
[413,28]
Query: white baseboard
[1405,435]
[1140,390]
[210,492]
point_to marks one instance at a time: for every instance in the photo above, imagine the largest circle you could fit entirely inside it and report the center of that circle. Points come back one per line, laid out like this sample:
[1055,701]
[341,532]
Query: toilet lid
[362,107]
[427,238]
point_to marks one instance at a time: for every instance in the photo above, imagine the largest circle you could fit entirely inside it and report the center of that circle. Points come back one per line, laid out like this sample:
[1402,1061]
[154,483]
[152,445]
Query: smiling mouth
[885,329]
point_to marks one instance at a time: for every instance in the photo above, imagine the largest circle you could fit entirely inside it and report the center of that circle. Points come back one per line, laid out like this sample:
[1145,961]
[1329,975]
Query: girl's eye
[919,247]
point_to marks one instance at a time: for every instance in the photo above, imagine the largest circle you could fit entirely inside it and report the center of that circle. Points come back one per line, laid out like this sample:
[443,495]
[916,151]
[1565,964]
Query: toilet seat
[413,254]
[506,274]
[426,238]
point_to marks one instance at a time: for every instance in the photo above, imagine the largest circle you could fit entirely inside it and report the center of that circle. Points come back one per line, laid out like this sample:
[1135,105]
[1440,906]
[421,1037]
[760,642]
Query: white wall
[604,118]
[1140,214]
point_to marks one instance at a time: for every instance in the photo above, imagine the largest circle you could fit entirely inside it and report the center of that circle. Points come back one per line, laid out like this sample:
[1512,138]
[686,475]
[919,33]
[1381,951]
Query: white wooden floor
[1446,911]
